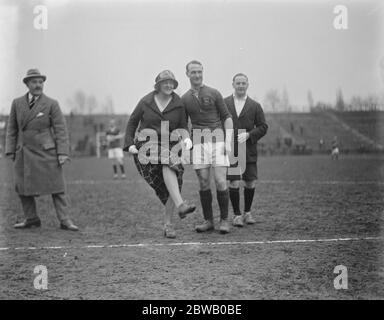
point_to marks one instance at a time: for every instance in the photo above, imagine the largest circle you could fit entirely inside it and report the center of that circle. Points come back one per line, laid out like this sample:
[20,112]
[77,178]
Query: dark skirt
[153,172]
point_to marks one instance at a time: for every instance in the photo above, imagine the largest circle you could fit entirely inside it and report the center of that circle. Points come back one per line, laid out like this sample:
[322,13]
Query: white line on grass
[319,182]
[325,182]
[180,244]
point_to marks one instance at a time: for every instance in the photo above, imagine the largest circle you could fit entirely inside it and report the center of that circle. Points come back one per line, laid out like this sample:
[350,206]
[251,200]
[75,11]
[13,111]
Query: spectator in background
[321,144]
[115,152]
[335,149]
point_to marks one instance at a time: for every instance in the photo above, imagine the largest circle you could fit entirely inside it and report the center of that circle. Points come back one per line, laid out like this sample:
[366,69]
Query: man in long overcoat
[37,142]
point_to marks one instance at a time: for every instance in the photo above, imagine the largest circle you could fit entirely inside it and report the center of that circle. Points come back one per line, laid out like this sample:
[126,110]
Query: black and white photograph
[202,152]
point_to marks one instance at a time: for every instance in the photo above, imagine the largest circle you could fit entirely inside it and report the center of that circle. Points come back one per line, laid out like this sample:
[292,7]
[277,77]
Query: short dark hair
[238,75]
[192,62]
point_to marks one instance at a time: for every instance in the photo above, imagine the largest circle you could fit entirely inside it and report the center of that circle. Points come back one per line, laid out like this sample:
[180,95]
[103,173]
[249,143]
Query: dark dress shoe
[184,209]
[28,224]
[68,225]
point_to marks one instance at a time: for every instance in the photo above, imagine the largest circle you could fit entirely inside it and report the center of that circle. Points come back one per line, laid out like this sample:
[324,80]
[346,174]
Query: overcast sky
[117,48]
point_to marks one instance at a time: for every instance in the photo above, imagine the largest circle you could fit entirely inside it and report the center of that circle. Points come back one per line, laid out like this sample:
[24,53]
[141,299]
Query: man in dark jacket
[37,142]
[248,115]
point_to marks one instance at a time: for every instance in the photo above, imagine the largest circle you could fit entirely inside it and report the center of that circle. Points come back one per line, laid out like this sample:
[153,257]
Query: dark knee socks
[223,200]
[248,198]
[206,204]
[121,168]
[234,195]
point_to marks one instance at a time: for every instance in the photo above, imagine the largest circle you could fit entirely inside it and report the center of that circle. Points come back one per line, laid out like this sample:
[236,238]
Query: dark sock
[206,204]
[223,200]
[234,195]
[114,169]
[248,198]
[122,169]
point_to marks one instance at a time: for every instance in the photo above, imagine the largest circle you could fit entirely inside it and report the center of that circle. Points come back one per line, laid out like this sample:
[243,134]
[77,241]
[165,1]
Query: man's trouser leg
[60,201]
[29,207]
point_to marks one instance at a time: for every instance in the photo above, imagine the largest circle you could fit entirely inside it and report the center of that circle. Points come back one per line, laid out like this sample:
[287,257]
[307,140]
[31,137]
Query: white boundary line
[183,244]
[324,182]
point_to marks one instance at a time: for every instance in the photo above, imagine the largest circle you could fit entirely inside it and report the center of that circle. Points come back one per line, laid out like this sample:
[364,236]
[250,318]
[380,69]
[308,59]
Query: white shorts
[209,154]
[335,151]
[115,153]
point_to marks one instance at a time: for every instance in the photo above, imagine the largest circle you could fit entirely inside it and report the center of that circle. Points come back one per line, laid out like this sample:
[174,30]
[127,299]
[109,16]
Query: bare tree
[272,99]
[108,106]
[311,103]
[78,102]
[91,103]
[340,105]
[285,101]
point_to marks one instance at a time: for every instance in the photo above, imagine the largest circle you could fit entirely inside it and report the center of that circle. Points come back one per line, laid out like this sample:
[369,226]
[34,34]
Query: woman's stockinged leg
[169,209]
[170,180]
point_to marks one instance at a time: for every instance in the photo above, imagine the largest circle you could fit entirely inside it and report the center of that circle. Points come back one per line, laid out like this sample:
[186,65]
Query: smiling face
[240,84]
[195,74]
[35,86]
[166,87]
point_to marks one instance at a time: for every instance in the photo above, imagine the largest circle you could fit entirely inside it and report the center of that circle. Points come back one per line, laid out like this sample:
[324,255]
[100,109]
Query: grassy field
[305,198]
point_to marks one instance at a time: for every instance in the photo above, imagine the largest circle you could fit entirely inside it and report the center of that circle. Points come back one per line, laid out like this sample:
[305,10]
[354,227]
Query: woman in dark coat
[157,149]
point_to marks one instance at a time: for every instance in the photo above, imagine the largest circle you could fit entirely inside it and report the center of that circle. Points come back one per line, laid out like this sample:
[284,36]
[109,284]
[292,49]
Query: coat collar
[28,113]
[245,108]
[149,100]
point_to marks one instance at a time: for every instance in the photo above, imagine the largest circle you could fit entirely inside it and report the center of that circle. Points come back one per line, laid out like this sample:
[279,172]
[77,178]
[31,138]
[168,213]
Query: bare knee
[235,184]
[221,182]
[204,179]
[204,183]
[250,184]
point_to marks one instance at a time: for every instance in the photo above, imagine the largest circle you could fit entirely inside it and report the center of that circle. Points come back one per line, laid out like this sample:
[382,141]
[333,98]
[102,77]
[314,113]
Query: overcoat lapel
[32,113]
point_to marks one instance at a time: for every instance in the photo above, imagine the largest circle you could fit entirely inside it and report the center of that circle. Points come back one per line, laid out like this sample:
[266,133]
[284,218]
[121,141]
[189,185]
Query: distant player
[115,152]
[335,149]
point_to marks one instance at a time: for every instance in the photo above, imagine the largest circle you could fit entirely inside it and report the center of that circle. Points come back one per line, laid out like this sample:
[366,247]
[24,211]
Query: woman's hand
[188,144]
[132,149]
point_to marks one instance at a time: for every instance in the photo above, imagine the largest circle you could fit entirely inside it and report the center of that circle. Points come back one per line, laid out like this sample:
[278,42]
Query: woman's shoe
[184,209]
[169,231]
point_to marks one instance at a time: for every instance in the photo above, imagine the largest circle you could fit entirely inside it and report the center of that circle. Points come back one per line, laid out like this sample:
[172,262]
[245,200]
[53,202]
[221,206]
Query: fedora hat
[33,73]
[166,75]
